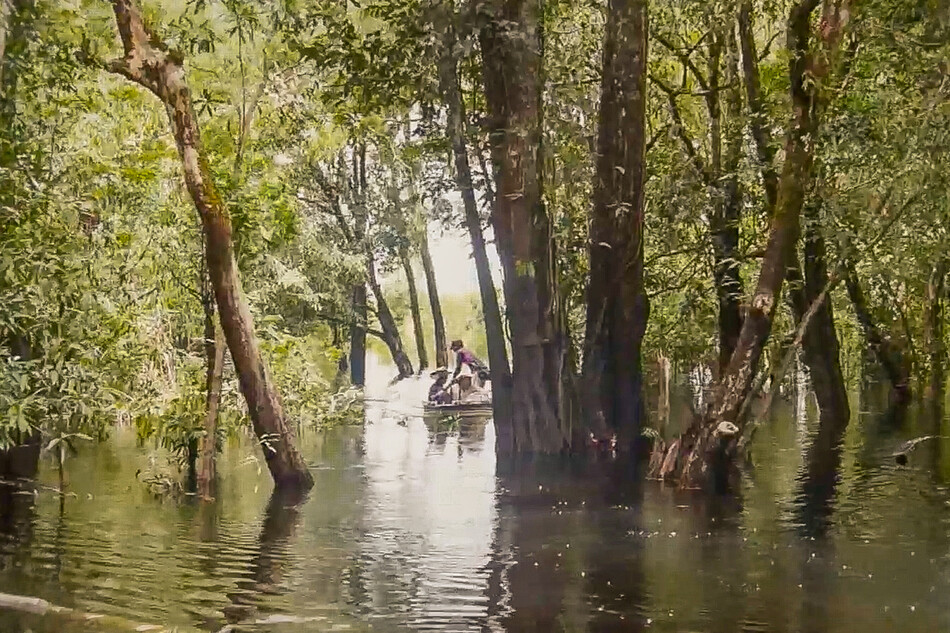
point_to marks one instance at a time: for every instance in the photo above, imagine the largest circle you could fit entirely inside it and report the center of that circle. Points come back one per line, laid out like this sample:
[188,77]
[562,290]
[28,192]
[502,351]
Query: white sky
[454,265]
[451,251]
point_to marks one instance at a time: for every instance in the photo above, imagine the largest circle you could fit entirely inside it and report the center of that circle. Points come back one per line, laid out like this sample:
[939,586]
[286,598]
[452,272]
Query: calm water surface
[412,529]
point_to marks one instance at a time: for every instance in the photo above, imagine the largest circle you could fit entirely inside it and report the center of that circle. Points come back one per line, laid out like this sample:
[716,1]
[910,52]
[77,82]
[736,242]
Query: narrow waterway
[413,526]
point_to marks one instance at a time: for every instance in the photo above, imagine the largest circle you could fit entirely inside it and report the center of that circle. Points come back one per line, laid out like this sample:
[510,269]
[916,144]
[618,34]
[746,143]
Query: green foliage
[101,319]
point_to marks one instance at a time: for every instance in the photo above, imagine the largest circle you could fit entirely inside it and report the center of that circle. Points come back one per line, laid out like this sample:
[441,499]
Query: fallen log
[40,607]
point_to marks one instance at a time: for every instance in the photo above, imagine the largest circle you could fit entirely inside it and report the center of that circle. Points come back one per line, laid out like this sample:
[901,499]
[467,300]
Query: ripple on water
[414,531]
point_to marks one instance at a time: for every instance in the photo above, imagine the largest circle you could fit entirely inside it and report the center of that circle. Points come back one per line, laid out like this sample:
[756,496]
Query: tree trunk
[149,64]
[202,466]
[494,332]
[414,309]
[358,336]
[758,123]
[215,348]
[888,354]
[663,407]
[342,363]
[936,347]
[820,343]
[390,330]
[432,289]
[727,193]
[511,47]
[204,453]
[823,360]
[704,455]
[617,307]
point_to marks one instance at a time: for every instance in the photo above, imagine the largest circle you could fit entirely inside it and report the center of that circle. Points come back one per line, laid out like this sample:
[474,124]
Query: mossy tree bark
[511,46]
[617,306]
[154,66]
[705,454]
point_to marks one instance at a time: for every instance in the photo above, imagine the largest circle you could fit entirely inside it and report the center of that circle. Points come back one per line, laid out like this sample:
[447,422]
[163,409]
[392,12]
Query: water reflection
[426,529]
[272,555]
[412,525]
[566,555]
[16,524]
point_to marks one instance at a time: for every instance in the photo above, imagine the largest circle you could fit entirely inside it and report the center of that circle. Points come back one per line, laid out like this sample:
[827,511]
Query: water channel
[414,526]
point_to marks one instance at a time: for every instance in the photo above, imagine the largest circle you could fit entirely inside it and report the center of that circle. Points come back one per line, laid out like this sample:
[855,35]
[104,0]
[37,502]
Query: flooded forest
[673,275]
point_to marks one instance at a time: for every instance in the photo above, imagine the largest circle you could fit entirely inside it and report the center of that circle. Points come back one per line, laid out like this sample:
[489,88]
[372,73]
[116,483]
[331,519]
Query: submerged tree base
[703,457]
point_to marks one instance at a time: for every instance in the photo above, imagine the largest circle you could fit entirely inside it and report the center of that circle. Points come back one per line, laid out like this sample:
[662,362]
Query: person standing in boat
[465,358]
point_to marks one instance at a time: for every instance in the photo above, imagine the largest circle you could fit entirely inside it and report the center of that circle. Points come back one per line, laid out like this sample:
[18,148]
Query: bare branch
[685,57]
[680,129]
[656,137]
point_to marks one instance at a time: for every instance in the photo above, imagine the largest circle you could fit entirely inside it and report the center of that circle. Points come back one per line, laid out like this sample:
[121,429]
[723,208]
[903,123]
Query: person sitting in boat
[439,392]
[465,358]
[465,391]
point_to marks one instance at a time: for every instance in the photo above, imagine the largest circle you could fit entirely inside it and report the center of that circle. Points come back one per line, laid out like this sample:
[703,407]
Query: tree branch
[145,53]
[685,58]
[680,129]
[750,69]
[656,137]
[833,279]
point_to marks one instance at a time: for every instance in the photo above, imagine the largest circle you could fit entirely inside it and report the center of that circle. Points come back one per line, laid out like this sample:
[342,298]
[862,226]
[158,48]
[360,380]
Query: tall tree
[617,307]
[880,343]
[414,309]
[727,209]
[718,173]
[390,331]
[705,453]
[358,334]
[455,106]
[150,63]
[511,46]
[435,303]
[215,345]
[820,346]
[936,346]
[387,322]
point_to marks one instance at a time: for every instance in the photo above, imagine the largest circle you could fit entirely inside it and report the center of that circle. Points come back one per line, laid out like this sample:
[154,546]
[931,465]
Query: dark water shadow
[17,525]
[817,583]
[17,518]
[271,558]
[721,517]
[563,558]
[820,476]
